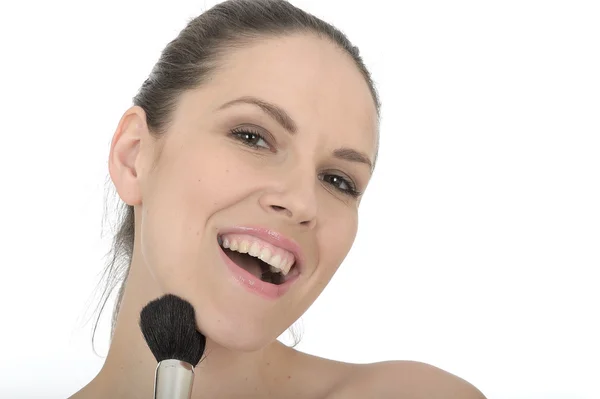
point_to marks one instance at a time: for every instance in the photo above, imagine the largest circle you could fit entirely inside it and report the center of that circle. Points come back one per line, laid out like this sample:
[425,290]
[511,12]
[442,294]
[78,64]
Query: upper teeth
[278,262]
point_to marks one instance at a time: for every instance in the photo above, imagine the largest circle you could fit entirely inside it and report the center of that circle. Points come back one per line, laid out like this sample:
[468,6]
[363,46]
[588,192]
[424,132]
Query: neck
[128,371]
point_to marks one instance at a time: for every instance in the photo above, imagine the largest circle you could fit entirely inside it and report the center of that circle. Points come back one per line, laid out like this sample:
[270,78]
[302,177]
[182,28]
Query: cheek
[185,193]
[336,240]
[174,229]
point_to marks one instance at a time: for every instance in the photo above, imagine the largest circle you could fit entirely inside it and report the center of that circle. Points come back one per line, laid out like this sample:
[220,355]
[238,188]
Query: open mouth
[257,267]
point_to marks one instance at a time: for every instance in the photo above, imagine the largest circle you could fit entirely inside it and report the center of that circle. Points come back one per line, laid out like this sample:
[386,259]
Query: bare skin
[201,177]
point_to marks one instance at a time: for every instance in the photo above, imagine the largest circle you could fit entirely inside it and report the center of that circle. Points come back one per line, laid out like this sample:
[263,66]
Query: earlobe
[124,158]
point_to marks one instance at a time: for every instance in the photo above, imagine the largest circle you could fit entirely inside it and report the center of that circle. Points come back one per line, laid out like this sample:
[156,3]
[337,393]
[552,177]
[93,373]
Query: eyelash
[238,133]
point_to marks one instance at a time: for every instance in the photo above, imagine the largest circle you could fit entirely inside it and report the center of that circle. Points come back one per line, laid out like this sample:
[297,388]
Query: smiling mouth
[257,267]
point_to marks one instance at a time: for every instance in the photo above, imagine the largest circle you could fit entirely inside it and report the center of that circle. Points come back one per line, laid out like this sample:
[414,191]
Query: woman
[254,137]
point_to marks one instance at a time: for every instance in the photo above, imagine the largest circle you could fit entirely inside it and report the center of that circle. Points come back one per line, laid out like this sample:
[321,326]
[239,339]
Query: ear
[124,162]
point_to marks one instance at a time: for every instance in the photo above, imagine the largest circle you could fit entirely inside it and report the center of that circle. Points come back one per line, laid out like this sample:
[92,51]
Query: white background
[479,236]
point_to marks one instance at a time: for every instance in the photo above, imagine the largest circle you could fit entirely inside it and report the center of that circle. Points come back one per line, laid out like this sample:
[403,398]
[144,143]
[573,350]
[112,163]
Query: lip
[273,238]
[254,284]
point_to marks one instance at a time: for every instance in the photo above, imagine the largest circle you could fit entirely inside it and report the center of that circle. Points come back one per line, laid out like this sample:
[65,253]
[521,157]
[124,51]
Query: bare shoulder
[315,376]
[87,392]
[403,379]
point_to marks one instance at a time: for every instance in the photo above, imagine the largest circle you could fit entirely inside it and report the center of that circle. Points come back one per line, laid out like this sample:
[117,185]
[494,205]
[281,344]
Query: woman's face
[256,146]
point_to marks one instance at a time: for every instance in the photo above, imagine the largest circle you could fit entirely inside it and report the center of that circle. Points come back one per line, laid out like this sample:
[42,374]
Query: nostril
[278,208]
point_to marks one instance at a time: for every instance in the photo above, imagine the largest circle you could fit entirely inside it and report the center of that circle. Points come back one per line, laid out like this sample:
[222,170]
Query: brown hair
[185,63]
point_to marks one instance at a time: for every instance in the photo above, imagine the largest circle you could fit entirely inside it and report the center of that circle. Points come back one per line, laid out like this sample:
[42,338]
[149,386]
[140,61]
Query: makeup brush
[169,327]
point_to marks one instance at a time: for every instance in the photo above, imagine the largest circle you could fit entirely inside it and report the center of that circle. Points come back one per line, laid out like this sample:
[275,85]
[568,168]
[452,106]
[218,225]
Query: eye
[346,186]
[250,138]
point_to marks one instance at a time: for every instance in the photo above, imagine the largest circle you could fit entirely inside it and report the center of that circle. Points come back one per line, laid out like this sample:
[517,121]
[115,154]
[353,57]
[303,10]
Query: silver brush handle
[173,380]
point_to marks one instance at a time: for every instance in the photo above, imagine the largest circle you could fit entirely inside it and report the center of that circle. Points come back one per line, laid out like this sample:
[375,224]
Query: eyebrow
[290,126]
[272,110]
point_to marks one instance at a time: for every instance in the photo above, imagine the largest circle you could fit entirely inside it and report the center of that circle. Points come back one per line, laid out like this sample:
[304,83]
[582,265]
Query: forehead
[316,82]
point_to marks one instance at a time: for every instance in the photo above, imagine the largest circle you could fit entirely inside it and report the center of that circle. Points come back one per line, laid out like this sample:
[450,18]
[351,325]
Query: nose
[293,198]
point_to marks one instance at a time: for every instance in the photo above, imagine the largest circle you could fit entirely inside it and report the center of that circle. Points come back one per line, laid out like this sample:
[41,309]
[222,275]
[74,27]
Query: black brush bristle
[169,327]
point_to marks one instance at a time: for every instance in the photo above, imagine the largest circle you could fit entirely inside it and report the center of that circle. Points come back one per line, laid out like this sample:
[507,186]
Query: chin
[242,338]
[230,324]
